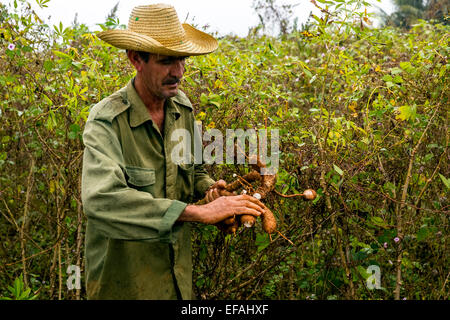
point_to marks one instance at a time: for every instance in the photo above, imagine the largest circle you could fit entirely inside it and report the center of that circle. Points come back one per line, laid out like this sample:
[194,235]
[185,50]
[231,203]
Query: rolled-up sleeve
[202,181]
[116,210]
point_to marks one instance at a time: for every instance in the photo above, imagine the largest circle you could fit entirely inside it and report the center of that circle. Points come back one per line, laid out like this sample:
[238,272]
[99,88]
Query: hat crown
[159,21]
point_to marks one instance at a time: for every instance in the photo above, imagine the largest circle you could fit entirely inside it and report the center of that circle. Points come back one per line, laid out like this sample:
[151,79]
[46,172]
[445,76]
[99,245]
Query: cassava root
[267,185]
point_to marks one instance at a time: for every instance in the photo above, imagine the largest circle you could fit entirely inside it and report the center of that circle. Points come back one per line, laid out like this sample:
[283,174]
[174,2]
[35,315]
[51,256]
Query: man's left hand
[217,190]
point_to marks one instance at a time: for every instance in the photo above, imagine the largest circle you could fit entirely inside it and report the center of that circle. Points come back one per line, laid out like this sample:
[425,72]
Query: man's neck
[151,101]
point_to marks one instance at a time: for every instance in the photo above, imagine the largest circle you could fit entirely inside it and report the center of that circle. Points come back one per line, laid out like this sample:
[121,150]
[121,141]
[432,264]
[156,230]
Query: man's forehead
[160,57]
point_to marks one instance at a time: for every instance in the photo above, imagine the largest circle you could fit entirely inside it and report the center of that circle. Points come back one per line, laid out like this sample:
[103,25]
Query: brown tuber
[269,224]
[229,225]
[309,194]
[267,185]
[233,228]
[248,220]
[248,178]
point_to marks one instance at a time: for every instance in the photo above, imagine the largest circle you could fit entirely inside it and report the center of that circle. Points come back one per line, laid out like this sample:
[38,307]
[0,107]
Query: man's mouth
[171,82]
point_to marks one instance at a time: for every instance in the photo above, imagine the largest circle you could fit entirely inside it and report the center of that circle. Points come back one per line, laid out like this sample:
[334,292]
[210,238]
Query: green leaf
[308,73]
[75,128]
[389,187]
[48,65]
[47,99]
[200,282]
[390,84]
[387,78]
[407,112]
[423,233]
[379,222]
[407,66]
[72,135]
[320,21]
[445,181]
[215,103]
[203,99]
[396,70]
[62,55]
[203,252]
[398,79]
[27,49]
[262,241]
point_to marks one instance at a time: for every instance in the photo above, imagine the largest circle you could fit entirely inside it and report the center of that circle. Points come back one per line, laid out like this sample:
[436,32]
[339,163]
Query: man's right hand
[222,208]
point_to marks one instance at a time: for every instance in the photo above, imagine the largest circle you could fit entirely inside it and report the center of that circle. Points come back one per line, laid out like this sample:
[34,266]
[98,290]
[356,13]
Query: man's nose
[177,69]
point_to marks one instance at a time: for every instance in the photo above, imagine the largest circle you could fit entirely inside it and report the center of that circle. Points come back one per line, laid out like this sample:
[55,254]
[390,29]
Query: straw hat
[156,29]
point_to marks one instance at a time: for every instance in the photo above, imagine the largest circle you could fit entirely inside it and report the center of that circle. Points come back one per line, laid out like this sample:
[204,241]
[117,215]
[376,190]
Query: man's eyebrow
[171,58]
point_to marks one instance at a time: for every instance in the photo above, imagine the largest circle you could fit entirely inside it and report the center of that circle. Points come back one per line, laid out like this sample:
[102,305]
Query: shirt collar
[172,108]
[139,113]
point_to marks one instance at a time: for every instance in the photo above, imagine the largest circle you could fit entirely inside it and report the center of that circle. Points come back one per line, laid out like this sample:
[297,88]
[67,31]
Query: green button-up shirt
[132,195]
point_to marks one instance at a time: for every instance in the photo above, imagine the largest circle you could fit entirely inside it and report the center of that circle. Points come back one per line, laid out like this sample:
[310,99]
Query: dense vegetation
[363,119]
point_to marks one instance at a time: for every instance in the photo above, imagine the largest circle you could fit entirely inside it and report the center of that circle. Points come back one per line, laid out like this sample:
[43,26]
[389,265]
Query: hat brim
[195,43]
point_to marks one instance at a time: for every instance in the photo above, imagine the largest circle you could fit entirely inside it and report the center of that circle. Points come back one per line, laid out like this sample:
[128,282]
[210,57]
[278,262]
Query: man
[135,196]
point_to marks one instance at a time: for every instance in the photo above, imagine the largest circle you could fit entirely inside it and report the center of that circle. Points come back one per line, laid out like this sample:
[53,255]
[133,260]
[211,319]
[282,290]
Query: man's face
[161,75]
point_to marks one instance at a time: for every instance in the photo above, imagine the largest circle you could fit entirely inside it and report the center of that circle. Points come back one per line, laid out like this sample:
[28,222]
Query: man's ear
[135,59]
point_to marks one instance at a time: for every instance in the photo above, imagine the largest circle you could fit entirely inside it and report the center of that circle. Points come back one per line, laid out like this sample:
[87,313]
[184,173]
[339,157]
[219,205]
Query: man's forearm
[222,208]
[191,213]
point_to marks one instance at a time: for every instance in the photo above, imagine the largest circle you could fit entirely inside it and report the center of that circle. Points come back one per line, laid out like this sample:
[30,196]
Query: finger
[209,197]
[245,197]
[221,184]
[246,201]
[251,205]
[226,193]
[247,210]
[254,206]
[215,194]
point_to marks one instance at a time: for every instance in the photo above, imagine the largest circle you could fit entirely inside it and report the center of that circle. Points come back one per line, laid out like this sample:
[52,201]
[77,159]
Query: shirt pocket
[185,182]
[142,179]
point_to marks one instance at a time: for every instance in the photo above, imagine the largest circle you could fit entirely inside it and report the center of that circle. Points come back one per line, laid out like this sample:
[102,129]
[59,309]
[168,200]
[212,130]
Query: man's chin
[172,92]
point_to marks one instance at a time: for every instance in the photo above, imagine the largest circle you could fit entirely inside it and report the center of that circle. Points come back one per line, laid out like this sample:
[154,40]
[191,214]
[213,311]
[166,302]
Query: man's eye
[168,62]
